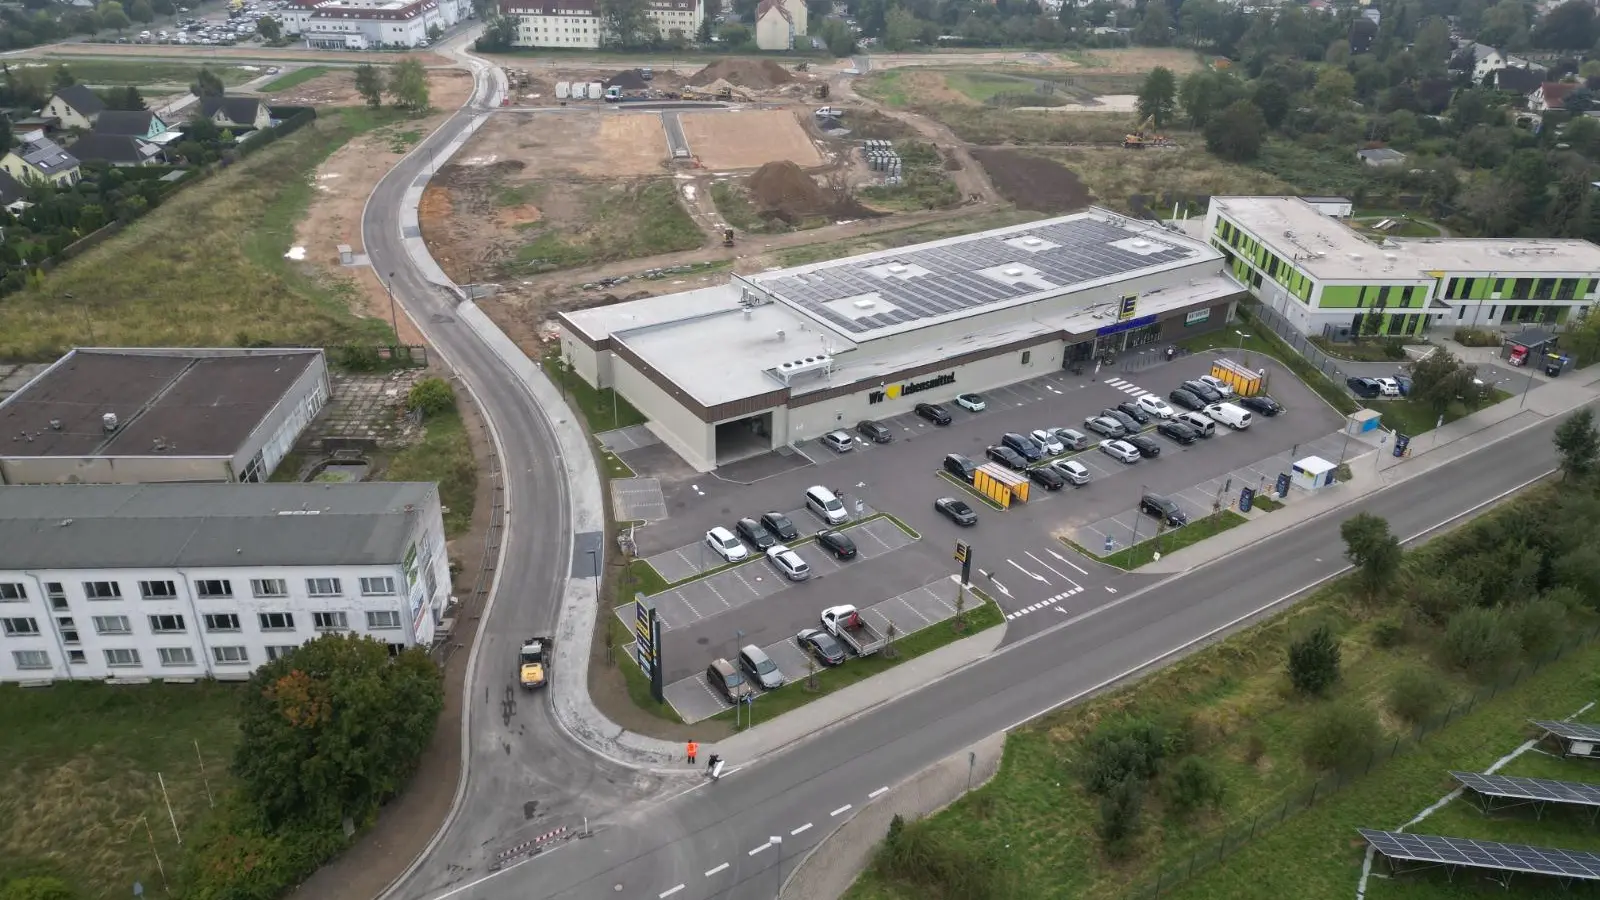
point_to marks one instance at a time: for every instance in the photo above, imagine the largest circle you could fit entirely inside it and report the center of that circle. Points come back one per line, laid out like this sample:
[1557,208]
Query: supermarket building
[1329,280]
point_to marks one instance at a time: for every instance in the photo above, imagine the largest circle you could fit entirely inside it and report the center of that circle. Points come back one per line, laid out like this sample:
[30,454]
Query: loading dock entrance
[743,438]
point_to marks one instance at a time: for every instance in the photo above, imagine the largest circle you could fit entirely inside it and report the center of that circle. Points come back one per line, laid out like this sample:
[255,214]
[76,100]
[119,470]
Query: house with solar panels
[776,358]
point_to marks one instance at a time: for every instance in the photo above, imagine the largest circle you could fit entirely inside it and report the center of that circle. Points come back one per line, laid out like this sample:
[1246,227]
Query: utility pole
[778,843]
[394,318]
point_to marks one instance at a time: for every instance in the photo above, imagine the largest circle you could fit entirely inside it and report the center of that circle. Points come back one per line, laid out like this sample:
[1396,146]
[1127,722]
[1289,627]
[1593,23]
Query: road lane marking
[1019,568]
[760,848]
[712,872]
[843,809]
[1067,561]
[1050,567]
[802,828]
[875,793]
[670,891]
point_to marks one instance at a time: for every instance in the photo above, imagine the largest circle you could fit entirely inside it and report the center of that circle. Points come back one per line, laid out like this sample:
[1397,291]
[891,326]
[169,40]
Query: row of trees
[405,84]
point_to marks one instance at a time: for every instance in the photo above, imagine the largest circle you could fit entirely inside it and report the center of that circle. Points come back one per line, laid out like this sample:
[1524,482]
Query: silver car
[760,667]
[1071,438]
[839,441]
[1074,472]
[788,562]
[1106,426]
[1121,450]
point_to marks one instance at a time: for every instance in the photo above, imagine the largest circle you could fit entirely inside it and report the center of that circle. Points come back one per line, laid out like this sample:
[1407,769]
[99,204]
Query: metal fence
[1231,838]
[1297,341]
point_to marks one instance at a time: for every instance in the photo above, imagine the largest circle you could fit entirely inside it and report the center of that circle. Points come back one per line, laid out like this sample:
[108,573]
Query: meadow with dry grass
[1114,174]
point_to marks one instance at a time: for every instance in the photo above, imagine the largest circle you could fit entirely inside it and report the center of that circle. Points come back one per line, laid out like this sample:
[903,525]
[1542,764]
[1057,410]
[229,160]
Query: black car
[1202,390]
[934,413]
[1128,423]
[1132,410]
[1007,457]
[821,645]
[1177,431]
[779,524]
[754,534]
[960,466]
[838,543]
[1147,446]
[1262,404]
[1047,478]
[876,432]
[1025,446]
[1163,508]
[1363,387]
[955,510]
[1187,399]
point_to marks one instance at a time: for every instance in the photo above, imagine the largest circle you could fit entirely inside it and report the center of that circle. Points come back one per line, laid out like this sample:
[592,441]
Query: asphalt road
[688,840]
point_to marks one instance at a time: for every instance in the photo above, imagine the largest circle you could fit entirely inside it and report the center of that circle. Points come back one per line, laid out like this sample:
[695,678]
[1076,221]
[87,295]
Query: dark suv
[934,413]
[1007,457]
[960,466]
[1025,446]
[1047,478]
[1163,508]
[754,534]
[780,525]
[876,432]
[1363,387]
[1202,390]
[1128,423]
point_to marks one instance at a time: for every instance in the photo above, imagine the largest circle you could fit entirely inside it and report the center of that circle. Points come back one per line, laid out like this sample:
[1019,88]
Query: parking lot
[695,700]
[681,563]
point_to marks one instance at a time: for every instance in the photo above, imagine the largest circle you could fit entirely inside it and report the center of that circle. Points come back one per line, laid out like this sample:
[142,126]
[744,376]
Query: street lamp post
[778,843]
[1242,337]
[594,561]
[1137,512]
[394,318]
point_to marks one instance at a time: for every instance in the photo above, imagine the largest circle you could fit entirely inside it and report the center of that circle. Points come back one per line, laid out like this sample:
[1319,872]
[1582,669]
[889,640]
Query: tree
[164,7]
[1158,96]
[900,29]
[1194,784]
[1314,662]
[734,34]
[1334,90]
[431,396]
[83,21]
[1372,549]
[369,84]
[1273,100]
[141,11]
[1440,379]
[840,39]
[112,16]
[1155,29]
[334,728]
[1119,815]
[626,23]
[1238,133]
[703,35]
[269,28]
[207,84]
[125,98]
[1432,45]
[1570,26]
[408,85]
[36,887]
[1205,94]
[435,33]
[1578,445]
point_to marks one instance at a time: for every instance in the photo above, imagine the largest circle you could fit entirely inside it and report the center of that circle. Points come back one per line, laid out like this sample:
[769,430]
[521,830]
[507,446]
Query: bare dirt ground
[610,144]
[343,183]
[749,138]
[1032,182]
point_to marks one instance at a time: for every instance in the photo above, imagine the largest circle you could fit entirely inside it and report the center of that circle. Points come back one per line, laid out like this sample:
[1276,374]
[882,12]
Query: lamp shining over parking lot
[1242,337]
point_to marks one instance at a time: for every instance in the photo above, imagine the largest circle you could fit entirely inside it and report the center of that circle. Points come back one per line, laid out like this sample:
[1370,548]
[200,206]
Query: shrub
[1314,661]
[1476,337]
[36,887]
[1417,695]
[1194,784]
[1389,632]
[938,866]
[431,396]
[1120,809]
[233,857]
[1342,736]
[1481,640]
[1541,627]
[1122,750]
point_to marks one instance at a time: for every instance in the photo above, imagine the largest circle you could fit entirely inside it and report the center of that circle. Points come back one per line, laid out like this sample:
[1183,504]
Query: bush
[1476,337]
[36,887]
[431,396]
[1481,640]
[1388,633]
[1417,695]
[234,857]
[1194,784]
[1542,628]
[1314,661]
[1342,736]
[1120,809]
[937,866]
[1122,750]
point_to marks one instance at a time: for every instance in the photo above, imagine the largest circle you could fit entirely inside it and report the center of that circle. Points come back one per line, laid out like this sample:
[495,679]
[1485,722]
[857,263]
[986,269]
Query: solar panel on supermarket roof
[878,291]
[1539,789]
[1449,851]
[1572,731]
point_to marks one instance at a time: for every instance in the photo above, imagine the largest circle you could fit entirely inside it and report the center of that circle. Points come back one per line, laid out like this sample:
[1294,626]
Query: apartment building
[578,23]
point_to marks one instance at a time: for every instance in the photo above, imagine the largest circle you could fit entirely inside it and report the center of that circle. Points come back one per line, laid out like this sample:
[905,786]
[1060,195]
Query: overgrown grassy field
[625,221]
[144,72]
[1114,174]
[82,768]
[602,408]
[444,454]
[294,79]
[901,237]
[733,202]
[205,269]
[984,125]
[924,183]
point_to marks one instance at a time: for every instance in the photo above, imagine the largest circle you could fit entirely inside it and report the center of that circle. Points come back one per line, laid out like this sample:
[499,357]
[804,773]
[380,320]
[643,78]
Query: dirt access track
[749,139]
[1123,61]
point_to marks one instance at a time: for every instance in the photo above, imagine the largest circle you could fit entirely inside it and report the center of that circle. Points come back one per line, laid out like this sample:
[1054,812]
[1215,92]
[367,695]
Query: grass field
[623,221]
[136,72]
[1408,416]
[1115,174]
[733,202]
[206,269]
[602,408]
[294,79]
[82,767]
[444,454]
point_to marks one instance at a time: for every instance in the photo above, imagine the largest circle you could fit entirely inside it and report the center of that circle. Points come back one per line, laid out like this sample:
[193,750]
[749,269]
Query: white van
[1230,414]
[1199,423]
[829,508]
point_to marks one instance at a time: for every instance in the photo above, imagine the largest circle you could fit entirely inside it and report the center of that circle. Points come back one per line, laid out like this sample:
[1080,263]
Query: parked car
[1177,431]
[971,402]
[876,432]
[1128,423]
[1134,411]
[1045,439]
[1073,471]
[1404,381]
[1047,477]
[1007,457]
[1388,387]
[1232,415]
[838,543]
[1072,438]
[822,646]
[1187,399]
[1163,508]
[956,511]
[780,525]
[1155,406]
[934,413]
[1025,446]
[828,507]
[754,533]
[960,466]
[1148,447]
[1120,450]
[839,441]
[1263,404]
[760,668]
[1217,384]
[1202,390]
[728,681]
[788,562]
[726,545]
[1363,387]
[1202,425]
[1101,425]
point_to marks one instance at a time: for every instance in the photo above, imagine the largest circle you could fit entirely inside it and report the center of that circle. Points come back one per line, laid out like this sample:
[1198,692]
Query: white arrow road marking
[716,870]
[1051,568]
[1038,578]
[1067,561]
[1000,587]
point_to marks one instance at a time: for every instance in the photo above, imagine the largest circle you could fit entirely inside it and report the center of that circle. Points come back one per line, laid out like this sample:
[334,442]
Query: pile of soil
[628,80]
[749,73]
[782,190]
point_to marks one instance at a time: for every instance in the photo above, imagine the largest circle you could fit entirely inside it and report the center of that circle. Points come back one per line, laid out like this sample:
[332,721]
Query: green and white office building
[1328,279]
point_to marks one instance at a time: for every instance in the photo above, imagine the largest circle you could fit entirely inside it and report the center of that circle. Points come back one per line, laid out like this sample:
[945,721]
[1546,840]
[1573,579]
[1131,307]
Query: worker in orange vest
[693,748]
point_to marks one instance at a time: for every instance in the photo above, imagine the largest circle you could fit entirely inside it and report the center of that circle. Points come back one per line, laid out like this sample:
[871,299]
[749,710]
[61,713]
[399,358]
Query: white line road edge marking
[877,792]
[1081,571]
[843,809]
[759,849]
[711,872]
[670,891]
[803,828]
[1038,578]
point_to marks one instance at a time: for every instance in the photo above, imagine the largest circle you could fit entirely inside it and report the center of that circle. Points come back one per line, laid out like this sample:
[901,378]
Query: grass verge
[633,677]
[82,761]
[1262,340]
[1174,539]
[294,79]
[794,695]
[444,454]
[626,221]
[105,72]
[602,408]
[1410,417]
[733,202]
[1266,503]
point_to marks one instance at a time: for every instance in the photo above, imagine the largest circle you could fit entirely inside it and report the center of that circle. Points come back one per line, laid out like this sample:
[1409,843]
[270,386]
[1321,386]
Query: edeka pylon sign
[911,387]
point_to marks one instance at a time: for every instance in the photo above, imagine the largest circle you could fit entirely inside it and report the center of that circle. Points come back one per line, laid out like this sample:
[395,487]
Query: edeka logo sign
[911,387]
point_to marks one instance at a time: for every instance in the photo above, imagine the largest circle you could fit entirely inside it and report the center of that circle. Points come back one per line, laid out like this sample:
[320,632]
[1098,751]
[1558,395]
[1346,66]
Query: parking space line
[841,810]
[739,576]
[760,848]
[711,872]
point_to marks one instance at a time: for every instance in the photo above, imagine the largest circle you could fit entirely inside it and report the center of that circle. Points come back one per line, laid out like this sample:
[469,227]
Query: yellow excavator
[1144,135]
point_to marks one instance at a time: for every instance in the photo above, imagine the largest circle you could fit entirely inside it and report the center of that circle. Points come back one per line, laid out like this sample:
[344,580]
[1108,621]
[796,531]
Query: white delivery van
[1230,414]
[1199,423]
[828,507]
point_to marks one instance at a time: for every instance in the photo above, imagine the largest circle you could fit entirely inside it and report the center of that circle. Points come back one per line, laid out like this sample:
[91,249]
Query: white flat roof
[723,355]
[1329,250]
[598,322]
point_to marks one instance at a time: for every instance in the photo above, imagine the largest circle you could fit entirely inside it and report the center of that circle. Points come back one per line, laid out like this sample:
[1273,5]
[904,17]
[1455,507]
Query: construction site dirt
[747,139]
[1032,182]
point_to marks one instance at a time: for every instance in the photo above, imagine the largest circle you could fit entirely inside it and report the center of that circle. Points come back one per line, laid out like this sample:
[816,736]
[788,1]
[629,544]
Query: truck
[848,625]
[533,663]
[724,94]
[615,94]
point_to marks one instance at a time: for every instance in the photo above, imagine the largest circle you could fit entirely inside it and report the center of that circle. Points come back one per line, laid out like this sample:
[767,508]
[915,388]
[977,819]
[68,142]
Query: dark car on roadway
[754,534]
[1187,399]
[1026,447]
[1367,388]
[779,524]
[956,511]
[1101,425]
[876,432]
[1007,457]
[1129,423]
[1202,390]
[960,467]
[1177,431]
[1047,478]
[934,413]
[838,543]
[1147,446]
[1262,404]
[821,645]
[1163,508]
[1133,411]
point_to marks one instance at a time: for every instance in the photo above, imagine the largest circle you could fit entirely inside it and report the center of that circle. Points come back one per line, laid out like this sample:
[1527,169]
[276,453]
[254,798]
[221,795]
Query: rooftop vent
[1014,272]
[1032,241]
[109,420]
[1355,256]
[781,334]
[55,424]
[1141,243]
[865,303]
[897,268]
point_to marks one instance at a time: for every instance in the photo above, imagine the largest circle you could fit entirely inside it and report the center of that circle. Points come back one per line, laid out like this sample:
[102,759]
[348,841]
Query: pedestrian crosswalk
[1044,605]
[1127,387]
